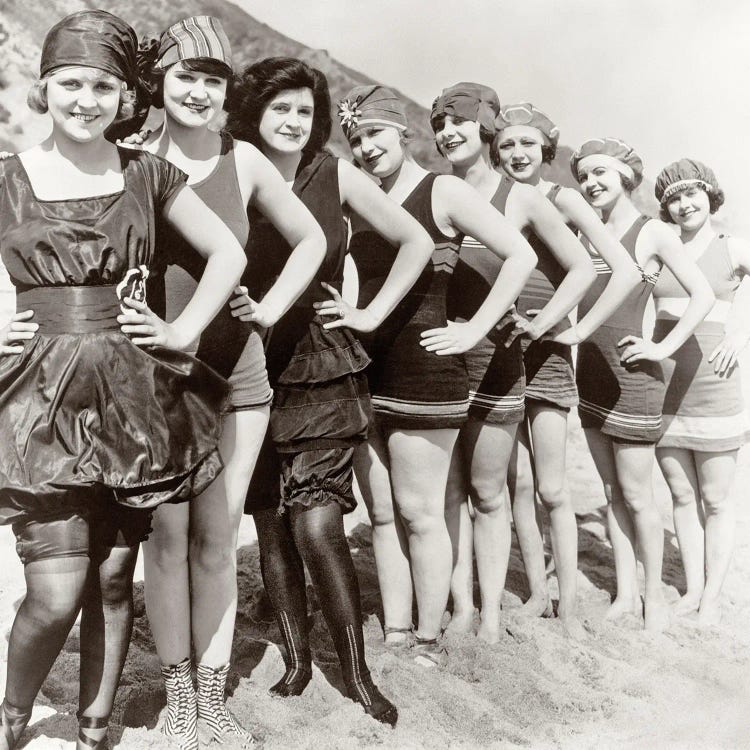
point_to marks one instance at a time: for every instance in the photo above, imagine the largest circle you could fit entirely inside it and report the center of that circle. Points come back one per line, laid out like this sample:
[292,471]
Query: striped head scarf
[197,36]
[370,105]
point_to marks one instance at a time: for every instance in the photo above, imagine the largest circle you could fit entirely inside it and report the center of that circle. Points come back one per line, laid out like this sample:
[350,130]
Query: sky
[670,77]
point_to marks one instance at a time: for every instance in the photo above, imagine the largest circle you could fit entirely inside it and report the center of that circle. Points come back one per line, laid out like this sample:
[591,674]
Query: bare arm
[625,275]
[737,328]
[460,206]
[660,243]
[272,196]
[396,225]
[548,225]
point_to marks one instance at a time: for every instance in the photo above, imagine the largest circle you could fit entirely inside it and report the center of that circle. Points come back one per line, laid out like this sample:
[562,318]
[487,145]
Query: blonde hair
[37,99]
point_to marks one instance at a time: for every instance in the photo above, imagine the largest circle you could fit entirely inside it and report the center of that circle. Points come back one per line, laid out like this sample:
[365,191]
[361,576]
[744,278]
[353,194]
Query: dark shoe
[93,722]
[14,722]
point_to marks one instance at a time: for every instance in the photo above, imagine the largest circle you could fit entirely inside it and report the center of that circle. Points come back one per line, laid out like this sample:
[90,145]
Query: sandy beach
[618,687]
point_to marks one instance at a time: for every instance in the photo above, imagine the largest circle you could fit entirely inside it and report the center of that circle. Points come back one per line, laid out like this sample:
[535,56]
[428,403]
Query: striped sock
[211,706]
[182,708]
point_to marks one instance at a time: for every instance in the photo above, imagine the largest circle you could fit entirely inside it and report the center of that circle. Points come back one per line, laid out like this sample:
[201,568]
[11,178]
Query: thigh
[419,461]
[218,510]
[602,453]
[170,525]
[43,539]
[635,470]
[372,469]
[487,449]
[678,467]
[549,439]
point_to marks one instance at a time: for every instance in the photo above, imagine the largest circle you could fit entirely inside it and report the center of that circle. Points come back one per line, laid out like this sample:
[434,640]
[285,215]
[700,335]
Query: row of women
[135,400]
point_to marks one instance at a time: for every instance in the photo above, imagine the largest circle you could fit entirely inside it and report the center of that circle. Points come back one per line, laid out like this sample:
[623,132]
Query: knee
[167,554]
[116,587]
[635,496]
[715,501]
[56,611]
[553,493]
[487,496]
[212,552]
[382,513]
[420,519]
[682,494]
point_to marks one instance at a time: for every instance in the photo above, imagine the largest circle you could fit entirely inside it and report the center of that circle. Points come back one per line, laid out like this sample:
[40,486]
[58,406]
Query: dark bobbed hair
[549,152]
[485,134]
[261,82]
[207,65]
[715,202]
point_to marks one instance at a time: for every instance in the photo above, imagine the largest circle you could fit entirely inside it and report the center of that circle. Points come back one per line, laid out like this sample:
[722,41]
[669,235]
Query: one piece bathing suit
[497,381]
[230,346]
[88,417]
[411,388]
[624,401]
[703,411]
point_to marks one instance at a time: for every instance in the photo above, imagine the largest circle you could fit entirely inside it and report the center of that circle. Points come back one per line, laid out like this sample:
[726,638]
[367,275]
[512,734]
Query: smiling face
[287,121]
[458,139]
[82,101]
[600,183]
[191,98]
[519,148]
[690,208]
[378,149]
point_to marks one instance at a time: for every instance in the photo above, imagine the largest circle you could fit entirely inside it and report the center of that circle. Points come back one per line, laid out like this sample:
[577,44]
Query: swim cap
[371,105]
[612,152]
[470,101]
[682,174]
[527,114]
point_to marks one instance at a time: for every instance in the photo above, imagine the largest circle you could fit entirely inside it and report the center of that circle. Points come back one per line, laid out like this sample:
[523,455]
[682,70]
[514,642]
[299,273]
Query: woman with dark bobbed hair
[620,381]
[705,422]
[103,415]
[320,412]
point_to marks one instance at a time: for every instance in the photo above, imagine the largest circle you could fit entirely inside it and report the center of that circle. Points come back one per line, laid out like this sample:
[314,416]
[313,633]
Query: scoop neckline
[74,200]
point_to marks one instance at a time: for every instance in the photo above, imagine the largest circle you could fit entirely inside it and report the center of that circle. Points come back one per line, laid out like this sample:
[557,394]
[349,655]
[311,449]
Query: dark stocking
[284,581]
[318,533]
[106,626]
[54,587]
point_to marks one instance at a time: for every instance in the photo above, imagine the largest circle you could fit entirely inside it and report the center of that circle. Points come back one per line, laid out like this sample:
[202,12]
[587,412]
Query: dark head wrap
[94,39]
[470,101]
[682,174]
[371,105]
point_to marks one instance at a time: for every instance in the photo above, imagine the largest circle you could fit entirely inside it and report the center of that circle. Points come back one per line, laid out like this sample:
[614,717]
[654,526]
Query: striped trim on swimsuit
[420,408]
[621,419]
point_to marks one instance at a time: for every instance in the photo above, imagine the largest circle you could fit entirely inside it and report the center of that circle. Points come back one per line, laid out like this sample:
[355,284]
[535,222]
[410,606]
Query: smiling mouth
[519,165]
[197,107]
[595,192]
[292,136]
[82,117]
[372,159]
[452,145]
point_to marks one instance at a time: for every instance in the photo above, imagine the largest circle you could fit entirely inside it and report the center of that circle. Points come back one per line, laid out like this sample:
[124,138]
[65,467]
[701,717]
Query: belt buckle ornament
[133,286]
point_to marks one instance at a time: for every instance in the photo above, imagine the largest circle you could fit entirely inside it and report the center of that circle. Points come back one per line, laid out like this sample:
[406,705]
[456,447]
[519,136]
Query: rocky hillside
[23,25]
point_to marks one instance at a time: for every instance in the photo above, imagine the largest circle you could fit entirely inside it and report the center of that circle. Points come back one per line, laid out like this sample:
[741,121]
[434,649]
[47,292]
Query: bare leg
[549,432]
[678,467]
[635,462]
[461,531]
[167,584]
[715,476]
[528,525]
[487,449]
[214,523]
[619,525]
[390,546]
[419,461]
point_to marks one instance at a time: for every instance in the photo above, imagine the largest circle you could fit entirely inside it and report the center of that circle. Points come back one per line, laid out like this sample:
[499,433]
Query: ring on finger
[341,313]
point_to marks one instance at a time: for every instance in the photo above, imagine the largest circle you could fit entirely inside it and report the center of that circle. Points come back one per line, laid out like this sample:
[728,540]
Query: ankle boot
[211,706]
[296,657]
[349,644]
[14,722]
[182,706]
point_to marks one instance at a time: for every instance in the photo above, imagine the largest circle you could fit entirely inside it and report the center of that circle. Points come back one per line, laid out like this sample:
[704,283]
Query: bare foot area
[461,622]
[573,628]
[686,605]
[709,614]
[656,614]
[489,629]
[537,606]
[623,606]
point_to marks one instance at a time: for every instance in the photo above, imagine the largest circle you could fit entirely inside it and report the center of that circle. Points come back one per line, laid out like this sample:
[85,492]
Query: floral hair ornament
[371,105]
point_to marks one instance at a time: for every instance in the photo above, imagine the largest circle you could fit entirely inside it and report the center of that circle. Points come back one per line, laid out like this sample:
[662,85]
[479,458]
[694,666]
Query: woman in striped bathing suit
[420,399]
[620,381]
[704,416]
[464,120]
[526,140]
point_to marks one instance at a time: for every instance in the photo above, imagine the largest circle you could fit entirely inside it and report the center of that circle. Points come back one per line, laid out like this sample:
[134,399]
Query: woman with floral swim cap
[620,381]
[303,485]
[417,379]
[705,422]
[104,415]
[526,140]
[190,557]
[464,121]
